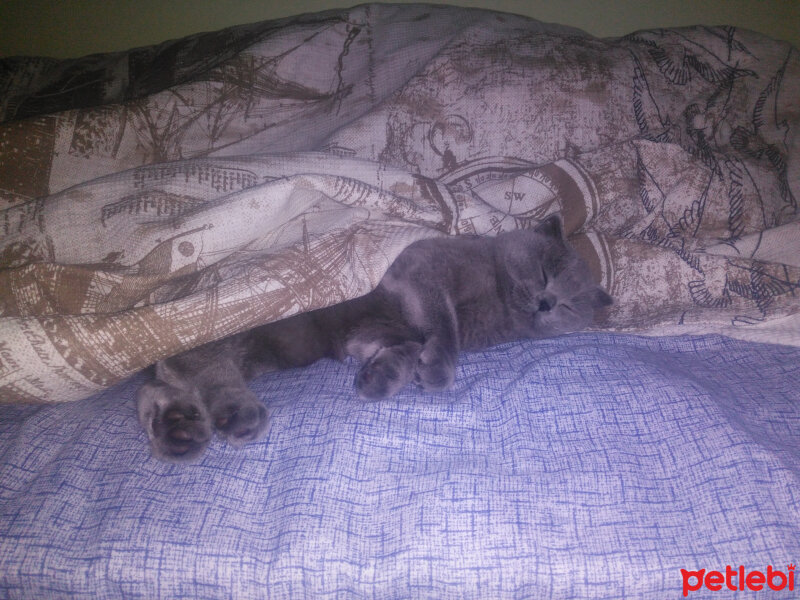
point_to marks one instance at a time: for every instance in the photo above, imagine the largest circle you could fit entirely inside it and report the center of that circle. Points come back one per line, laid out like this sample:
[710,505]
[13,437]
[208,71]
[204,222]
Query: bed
[156,199]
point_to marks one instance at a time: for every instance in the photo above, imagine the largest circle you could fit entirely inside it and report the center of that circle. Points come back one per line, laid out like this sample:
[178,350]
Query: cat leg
[236,413]
[436,367]
[428,309]
[176,420]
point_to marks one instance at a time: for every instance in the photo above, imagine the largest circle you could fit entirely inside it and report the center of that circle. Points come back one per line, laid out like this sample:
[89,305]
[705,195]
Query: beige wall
[70,28]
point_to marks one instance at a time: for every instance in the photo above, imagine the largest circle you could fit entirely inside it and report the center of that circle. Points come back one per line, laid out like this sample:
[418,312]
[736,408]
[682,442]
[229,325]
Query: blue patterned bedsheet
[588,466]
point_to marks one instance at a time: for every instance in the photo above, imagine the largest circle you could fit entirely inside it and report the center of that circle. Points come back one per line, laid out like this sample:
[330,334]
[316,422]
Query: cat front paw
[436,370]
[388,371]
[237,415]
[177,423]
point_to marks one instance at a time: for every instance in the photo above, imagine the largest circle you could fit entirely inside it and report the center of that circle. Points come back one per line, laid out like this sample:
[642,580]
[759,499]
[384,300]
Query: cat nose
[546,302]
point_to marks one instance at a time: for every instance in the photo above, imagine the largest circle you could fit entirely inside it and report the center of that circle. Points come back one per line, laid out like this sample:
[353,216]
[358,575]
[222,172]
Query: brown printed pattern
[286,169]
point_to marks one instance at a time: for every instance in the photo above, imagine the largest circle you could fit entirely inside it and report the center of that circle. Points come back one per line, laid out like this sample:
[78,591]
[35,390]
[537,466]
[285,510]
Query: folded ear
[600,298]
[552,226]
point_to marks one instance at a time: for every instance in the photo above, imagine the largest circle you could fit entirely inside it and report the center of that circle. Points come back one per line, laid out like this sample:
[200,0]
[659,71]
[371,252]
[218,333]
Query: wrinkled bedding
[159,198]
[586,466]
[156,199]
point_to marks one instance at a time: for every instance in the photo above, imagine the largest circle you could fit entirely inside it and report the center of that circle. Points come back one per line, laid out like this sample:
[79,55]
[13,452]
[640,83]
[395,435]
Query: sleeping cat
[439,296]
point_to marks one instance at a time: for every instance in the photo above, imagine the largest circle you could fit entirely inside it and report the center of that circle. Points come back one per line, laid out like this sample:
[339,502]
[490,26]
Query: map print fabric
[156,199]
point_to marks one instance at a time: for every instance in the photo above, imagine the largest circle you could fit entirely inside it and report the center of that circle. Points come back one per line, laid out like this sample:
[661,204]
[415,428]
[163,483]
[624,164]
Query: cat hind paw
[435,373]
[239,417]
[177,424]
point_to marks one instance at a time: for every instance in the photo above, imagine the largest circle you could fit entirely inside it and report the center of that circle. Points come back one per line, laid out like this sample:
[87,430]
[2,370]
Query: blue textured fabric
[589,466]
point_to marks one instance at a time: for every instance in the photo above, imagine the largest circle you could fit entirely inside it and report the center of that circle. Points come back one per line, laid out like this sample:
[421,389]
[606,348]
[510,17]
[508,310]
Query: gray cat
[439,296]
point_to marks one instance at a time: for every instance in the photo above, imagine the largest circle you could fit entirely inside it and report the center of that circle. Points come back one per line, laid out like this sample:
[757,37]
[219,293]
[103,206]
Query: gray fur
[439,297]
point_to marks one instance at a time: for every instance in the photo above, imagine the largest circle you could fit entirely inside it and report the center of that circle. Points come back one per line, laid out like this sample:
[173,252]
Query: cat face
[549,288]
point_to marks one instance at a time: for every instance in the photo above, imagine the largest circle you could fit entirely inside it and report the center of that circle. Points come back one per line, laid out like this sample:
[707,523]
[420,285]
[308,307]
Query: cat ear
[552,227]
[169,376]
[600,298]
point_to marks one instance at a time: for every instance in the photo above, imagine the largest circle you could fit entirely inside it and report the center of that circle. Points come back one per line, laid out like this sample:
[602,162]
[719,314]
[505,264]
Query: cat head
[548,287]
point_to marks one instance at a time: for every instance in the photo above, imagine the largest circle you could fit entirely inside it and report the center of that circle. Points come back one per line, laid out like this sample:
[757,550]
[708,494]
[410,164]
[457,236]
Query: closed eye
[544,277]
